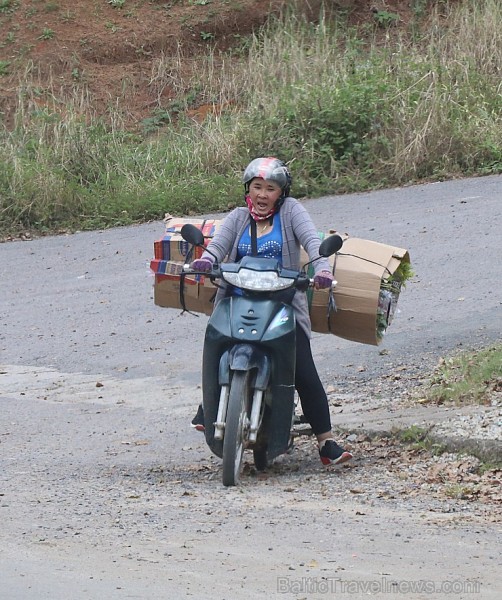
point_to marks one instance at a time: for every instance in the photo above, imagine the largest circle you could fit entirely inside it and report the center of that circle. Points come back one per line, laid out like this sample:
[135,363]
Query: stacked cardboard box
[173,247]
[170,255]
[362,268]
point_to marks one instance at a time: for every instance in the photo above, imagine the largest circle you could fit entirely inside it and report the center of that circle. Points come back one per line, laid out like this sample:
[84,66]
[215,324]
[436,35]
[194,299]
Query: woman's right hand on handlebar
[203,265]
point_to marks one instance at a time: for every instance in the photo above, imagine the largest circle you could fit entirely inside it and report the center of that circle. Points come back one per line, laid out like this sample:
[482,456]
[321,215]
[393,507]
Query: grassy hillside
[351,103]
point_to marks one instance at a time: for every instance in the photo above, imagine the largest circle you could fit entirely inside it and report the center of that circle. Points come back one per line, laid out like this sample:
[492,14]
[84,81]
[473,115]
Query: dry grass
[348,113]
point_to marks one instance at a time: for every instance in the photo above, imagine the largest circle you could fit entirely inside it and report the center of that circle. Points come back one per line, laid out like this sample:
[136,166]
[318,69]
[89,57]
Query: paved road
[105,494]
[83,302]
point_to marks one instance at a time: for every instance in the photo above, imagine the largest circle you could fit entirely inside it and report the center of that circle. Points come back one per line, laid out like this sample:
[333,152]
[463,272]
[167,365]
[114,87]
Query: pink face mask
[259,217]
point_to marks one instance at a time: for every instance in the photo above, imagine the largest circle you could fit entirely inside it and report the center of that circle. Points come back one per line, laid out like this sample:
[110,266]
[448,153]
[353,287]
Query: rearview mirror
[192,235]
[329,245]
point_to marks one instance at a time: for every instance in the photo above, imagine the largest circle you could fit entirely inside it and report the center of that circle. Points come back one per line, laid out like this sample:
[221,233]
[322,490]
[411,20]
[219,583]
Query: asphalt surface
[84,302]
[106,493]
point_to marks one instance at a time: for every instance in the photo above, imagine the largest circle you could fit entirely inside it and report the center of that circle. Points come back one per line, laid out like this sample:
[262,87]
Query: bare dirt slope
[109,47]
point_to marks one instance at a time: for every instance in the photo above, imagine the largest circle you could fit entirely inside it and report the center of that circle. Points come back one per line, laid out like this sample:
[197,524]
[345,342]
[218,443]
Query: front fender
[245,357]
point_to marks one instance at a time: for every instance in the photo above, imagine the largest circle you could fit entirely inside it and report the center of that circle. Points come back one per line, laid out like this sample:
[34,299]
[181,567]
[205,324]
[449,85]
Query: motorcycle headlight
[266,281]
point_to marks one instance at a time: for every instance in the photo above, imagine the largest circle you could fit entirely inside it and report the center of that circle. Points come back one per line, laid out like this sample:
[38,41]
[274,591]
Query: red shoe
[333,454]
[198,420]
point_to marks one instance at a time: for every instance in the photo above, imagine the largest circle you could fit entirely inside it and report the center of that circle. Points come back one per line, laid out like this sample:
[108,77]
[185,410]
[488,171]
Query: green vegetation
[206,35]
[51,7]
[401,276]
[7,6]
[418,438]
[384,18]
[47,34]
[486,466]
[470,377]
[347,113]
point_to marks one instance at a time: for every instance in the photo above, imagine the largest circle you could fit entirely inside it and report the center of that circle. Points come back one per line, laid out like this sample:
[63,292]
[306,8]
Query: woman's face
[264,194]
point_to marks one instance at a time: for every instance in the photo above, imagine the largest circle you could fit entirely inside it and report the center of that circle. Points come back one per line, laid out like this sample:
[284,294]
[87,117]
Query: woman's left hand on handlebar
[322,280]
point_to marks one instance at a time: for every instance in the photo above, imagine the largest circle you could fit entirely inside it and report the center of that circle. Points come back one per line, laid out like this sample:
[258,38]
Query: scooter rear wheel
[236,427]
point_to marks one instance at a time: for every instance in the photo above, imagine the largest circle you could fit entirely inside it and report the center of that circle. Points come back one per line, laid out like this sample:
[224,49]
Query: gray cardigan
[297,229]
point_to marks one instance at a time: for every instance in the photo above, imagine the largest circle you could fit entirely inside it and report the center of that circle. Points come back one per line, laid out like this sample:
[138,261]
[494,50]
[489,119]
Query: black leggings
[309,387]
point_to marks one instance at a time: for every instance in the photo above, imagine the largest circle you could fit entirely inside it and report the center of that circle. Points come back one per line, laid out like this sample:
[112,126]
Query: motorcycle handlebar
[333,283]
[189,271]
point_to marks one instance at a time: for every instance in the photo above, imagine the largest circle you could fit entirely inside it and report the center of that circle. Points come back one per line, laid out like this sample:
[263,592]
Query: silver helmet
[270,169]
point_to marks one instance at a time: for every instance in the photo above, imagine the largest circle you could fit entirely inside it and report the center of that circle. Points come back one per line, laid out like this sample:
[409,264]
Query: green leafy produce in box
[389,295]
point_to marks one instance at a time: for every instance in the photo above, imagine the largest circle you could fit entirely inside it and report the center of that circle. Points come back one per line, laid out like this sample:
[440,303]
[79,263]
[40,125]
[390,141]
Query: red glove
[202,264]
[322,280]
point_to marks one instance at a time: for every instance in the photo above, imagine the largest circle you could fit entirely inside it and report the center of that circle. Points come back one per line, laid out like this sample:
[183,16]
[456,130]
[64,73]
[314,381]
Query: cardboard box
[199,292]
[172,247]
[361,268]
[170,255]
[207,226]
[167,298]
[207,294]
[167,267]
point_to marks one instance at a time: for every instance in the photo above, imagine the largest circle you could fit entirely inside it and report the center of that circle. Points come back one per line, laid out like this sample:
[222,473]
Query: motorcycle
[248,363]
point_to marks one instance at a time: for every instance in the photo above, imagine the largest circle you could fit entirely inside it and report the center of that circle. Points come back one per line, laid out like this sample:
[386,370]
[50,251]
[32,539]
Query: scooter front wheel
[237,426]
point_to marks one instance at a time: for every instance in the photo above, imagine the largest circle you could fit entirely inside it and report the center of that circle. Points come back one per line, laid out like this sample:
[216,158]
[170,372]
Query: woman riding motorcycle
[282,226]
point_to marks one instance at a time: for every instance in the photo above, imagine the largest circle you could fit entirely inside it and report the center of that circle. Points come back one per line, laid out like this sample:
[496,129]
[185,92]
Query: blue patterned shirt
[268,245]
